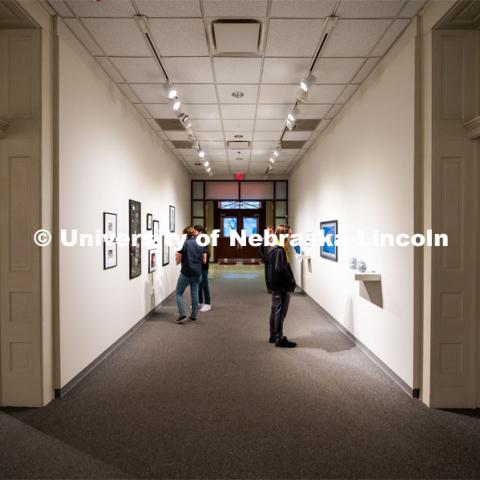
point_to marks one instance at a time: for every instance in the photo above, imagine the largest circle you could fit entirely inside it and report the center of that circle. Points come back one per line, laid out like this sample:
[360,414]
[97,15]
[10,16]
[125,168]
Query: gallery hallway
[215,400]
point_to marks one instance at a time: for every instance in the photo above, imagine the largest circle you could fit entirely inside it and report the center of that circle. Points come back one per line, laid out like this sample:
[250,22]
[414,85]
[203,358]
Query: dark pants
[203,290]
[280,301]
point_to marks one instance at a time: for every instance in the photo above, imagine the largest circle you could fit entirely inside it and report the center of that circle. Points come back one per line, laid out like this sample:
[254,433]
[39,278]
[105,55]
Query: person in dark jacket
[204,290]
[281,282]
[263,249]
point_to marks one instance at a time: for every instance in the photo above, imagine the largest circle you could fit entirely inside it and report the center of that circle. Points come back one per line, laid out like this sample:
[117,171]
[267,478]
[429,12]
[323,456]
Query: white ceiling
[292,31]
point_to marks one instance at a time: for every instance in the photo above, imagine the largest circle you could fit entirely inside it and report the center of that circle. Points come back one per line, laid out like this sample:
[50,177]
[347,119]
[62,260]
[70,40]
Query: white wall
[361,172]
[107,155]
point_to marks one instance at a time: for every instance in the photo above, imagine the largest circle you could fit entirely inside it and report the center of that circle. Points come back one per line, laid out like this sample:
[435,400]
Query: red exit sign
[239,176]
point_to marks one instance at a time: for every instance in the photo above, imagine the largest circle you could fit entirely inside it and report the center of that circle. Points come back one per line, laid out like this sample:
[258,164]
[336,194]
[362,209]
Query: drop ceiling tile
[129,93]
[118,36]
[369,8]
[212,136]
[265,145]
[238,136]
[285,70]
[412,8]
[238,125]
[273,111]
[238,111]
[336,70]
[149,92]
[347,93]
[177,37]
[189,69]
[196,93]
[278,93]
[302,8]
[233,155]
[207,146]
[237,70]
[269,125]
[235,8]
[139,70]
[297,136]
[105,8]
[313,111]
[177,135]
[389,38]
[366,69]
[275,135]
[334,110]
[197,111]
[169,8]
[217,154]
[143,111]
[354,38]
[158,110]
[207,125]
[293,37]
[83,35]
[324,93]
[110,69]
[225,93]
[61,8]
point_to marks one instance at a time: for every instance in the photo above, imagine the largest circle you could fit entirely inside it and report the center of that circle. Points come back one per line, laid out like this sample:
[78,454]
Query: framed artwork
[156,230]
[165,252]
[109,255]
[135,228]
[329,252]
[152,260]
[109,243]
[171,218]
[149,221]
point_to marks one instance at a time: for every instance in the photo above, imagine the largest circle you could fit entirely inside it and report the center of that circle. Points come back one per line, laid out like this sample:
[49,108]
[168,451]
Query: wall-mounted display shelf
[368,276]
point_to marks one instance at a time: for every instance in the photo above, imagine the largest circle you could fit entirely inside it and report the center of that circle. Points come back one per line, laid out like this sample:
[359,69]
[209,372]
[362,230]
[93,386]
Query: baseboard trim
[61,392]
[413,392]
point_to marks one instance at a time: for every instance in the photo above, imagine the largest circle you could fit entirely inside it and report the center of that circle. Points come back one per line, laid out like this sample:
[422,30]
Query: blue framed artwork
[330,252]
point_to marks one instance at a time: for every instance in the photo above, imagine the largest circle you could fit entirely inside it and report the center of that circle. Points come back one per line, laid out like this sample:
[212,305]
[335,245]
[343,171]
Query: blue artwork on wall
[330,249]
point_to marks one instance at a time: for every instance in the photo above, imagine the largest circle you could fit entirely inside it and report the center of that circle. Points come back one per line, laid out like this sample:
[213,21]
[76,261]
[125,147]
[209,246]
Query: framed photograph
[171,218]
[330,230]
[152,260]
[109,243]
[156,230]
[135,248]
[109,255]
[149,221]
[110,225]
[165,252]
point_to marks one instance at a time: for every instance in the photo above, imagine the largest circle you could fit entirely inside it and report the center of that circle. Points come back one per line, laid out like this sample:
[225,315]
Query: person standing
[204,290]
[191,256]
[281,282]
[263,249]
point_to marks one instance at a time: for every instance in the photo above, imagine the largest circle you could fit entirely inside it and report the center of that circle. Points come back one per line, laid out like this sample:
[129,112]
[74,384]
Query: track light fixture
[169,90]
[209,169]
[276,152]
[292,115]
[272,160]
[201,153]
[206,163]
[307,82]
[176,104]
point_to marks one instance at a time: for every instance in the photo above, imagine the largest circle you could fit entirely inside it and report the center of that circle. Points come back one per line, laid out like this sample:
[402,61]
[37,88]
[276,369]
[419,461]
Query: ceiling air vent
[169,124]
[238,144]
[181,144]
[236,36]
[287,145]
[306,125]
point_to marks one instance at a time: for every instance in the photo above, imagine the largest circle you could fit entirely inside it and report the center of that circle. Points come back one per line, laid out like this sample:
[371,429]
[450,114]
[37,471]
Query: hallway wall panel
[107,155]
[361,173]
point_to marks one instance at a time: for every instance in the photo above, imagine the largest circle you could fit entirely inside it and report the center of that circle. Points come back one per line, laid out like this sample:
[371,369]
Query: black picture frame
[329,252]
[156,230]
[152,260]
[149,221]
[135,248]
[110,250]
[165,252]
[171,218]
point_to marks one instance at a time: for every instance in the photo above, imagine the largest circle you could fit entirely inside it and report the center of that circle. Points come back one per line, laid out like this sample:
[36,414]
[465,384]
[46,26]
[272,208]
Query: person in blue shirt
[192,256]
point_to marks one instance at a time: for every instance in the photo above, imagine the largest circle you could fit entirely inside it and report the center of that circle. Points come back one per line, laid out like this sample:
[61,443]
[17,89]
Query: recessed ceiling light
[237,94]
[238,136]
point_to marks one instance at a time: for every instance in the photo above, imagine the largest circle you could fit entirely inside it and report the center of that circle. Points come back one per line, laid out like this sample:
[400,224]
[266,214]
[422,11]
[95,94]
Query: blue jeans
[182,284]
[204,291]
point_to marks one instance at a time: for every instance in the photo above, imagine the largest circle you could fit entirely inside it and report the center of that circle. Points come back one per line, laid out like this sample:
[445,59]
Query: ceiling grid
[291,32]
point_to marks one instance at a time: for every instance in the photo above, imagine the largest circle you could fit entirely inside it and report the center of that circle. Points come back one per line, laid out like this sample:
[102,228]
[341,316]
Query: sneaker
[200,305]
[181,319]
[193,319]
[285,343]
[271,340]
[206,308]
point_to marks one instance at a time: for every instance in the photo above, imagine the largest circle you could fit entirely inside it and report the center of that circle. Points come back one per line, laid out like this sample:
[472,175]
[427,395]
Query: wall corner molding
[4,124]
[473,128]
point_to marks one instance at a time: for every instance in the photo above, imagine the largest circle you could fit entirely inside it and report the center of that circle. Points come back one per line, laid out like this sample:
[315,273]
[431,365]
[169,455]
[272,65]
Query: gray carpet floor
[213,399]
